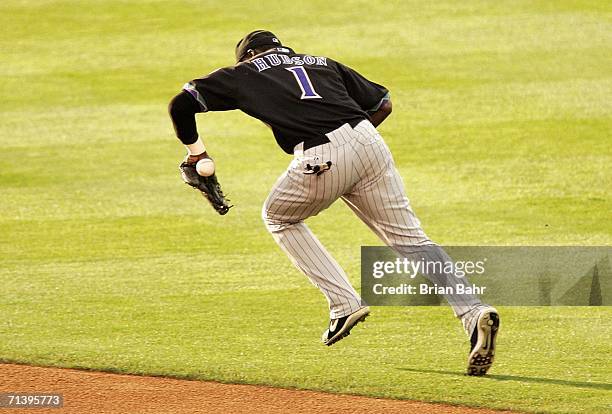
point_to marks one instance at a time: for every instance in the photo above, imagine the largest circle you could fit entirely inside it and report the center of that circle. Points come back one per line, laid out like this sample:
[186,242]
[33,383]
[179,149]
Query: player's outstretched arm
[197,170]
[182,110]
[381,113]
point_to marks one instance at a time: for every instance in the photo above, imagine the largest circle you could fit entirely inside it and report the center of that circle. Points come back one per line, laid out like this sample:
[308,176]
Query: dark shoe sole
[482,356]
[352,320]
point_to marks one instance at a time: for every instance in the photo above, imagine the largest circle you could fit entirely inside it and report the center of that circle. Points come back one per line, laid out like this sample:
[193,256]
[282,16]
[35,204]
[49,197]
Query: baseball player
[325,114]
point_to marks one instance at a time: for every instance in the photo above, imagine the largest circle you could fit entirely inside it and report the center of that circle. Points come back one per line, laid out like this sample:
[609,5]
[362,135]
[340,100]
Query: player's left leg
[308,254]
[296,196]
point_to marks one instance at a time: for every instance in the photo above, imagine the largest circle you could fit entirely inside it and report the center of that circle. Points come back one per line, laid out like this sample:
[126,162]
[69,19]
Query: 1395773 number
[23,400]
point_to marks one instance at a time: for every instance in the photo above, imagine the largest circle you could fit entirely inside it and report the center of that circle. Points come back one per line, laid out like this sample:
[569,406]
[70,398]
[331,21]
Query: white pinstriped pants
[364,176]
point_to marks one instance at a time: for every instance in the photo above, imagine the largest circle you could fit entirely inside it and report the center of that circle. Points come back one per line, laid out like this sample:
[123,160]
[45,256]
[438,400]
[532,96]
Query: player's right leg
[482,342]
[380,201]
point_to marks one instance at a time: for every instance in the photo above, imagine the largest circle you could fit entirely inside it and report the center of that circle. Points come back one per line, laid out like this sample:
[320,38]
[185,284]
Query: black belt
[320,140]
[315,142]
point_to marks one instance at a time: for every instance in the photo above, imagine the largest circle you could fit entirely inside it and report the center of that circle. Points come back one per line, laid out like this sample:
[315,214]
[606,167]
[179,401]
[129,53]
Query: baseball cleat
[483,342]
[341,327]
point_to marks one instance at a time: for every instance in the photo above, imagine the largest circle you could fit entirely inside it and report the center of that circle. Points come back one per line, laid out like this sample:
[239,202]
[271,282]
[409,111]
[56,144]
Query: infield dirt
[100,392]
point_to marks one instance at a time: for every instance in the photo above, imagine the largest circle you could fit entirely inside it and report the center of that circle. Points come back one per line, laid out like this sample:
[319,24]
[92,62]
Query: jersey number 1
[301,76]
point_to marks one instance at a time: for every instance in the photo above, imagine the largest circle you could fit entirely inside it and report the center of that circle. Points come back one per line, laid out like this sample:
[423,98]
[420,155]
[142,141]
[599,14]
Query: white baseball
[205,167]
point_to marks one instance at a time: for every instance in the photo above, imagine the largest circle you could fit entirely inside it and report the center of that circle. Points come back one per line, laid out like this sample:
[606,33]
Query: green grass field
[501,129]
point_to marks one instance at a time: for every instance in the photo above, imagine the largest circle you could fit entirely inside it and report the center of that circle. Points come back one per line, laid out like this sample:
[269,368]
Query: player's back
[302,97]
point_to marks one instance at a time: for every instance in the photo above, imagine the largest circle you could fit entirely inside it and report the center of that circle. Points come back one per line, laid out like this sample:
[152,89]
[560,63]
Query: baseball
[205,167]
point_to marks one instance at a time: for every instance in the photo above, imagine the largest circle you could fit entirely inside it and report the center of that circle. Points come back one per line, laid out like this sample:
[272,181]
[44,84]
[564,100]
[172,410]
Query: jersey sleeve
[214,92]
[367,94]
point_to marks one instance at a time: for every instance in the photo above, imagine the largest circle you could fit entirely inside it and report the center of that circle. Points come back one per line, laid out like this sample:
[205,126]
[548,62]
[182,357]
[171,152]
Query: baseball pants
[364,176]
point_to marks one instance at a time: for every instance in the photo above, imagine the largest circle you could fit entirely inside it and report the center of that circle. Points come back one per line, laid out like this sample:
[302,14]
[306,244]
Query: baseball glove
[208,186]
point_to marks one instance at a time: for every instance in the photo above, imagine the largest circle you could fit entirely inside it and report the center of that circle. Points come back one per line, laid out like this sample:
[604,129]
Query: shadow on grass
[579,384]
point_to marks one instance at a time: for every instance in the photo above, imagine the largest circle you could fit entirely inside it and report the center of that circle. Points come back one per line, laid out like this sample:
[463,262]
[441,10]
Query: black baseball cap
[255,40]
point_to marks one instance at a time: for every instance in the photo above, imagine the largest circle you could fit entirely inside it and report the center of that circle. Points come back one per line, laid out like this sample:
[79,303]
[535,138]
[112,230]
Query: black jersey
[301,97]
